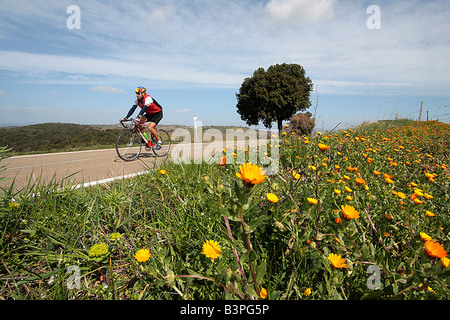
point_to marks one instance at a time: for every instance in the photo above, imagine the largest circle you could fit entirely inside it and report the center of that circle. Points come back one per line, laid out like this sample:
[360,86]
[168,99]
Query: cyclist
[151,111]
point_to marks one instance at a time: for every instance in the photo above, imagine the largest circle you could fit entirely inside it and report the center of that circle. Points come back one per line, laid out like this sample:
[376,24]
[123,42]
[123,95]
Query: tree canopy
[274,95]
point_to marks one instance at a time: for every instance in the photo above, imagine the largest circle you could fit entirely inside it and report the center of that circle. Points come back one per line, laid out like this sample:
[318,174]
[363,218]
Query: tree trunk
[280,125]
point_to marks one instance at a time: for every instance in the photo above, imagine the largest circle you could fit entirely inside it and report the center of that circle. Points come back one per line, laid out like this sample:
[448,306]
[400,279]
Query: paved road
[84,167]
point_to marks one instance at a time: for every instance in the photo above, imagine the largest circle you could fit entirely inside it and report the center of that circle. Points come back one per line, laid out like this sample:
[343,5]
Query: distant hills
[52,137]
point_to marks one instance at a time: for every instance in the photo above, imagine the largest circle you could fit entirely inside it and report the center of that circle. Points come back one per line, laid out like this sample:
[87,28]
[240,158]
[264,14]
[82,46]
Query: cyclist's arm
[133,108]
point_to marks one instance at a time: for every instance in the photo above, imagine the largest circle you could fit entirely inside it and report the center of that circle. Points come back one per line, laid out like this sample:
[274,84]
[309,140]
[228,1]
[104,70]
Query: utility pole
[420,114]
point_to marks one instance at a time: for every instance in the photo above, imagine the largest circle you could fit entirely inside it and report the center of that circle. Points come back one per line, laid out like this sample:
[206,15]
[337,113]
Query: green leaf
[260,272]
[256,223]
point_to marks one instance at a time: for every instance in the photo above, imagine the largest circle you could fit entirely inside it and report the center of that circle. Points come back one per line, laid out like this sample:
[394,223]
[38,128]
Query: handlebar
[126,120]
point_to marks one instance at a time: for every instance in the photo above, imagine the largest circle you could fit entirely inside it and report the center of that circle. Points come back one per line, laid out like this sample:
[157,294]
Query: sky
[79,61]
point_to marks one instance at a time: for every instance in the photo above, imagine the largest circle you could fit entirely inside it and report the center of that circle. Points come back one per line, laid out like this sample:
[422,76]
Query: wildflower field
[356,214]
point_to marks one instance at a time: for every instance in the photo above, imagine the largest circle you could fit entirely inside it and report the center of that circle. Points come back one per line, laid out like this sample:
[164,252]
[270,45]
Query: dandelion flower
[349,212]
[142,255]
[307,292]
[434,249]
[272,197]
[337,261]
[312,200]
[211,249]
[263,293]
[251,174]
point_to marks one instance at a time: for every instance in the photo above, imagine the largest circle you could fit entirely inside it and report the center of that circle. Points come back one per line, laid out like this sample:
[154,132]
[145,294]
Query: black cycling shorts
[156,118]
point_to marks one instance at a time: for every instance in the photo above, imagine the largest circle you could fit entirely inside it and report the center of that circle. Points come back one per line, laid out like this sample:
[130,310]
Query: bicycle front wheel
[165,148]
[128,145]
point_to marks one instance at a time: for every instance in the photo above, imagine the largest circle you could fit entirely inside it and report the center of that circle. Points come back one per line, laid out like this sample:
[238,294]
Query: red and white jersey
[147,101]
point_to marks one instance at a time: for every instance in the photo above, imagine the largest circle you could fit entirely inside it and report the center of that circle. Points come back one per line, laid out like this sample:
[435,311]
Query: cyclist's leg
[154,120]
[152,128]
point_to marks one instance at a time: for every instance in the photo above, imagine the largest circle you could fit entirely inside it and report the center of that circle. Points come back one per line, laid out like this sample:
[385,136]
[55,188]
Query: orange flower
[251,174]
[222,161]
[323,147]
[349,212]
[338,220]
[337,261]
[434,249]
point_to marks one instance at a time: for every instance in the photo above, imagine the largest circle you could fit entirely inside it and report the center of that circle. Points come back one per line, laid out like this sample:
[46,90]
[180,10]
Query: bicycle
[129,142]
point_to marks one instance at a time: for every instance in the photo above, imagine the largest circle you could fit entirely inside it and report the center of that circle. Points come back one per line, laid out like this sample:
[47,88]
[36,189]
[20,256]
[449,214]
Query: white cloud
[219,43]
[184,110]
[107,89]
[2,93]
[281,13]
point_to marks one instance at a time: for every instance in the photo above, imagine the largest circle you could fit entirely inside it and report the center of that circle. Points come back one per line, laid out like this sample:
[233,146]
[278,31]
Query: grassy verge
[339,204]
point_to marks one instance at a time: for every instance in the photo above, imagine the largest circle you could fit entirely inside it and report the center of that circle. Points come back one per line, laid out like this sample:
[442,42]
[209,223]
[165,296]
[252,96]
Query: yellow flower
[337,191]
[312,200]
[445,261]
[348,189]
[263,293]
[337,261]
[163,172]
[13,205]
[429,213]
[313,168]
[388,180]
[401,195]
[211,249]
[349,212]
[296,175]
[307,292]
[434,249]
[251,174]
[142,255]
[425,237]
[272,197]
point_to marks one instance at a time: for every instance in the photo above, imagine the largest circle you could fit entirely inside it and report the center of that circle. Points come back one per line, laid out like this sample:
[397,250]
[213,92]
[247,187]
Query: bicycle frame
[136,128]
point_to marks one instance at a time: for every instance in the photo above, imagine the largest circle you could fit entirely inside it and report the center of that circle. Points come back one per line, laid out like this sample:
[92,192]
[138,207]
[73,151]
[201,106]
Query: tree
[274,95]
[302,123]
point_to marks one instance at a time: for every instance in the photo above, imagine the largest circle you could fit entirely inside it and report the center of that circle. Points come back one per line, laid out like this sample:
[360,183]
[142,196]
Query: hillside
[56,136]
[51,137]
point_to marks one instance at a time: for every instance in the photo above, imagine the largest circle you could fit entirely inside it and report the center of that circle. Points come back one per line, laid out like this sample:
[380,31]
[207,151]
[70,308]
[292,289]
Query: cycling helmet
[140,89]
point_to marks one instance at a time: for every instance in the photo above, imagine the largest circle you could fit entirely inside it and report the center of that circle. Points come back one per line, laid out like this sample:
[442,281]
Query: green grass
[173,214]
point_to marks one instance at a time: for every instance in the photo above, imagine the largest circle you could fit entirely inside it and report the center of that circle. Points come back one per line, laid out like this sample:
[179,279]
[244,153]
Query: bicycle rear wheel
[128,145]
[165,148]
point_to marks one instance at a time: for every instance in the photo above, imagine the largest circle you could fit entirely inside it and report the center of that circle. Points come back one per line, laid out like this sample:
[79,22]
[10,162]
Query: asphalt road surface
[84,168]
